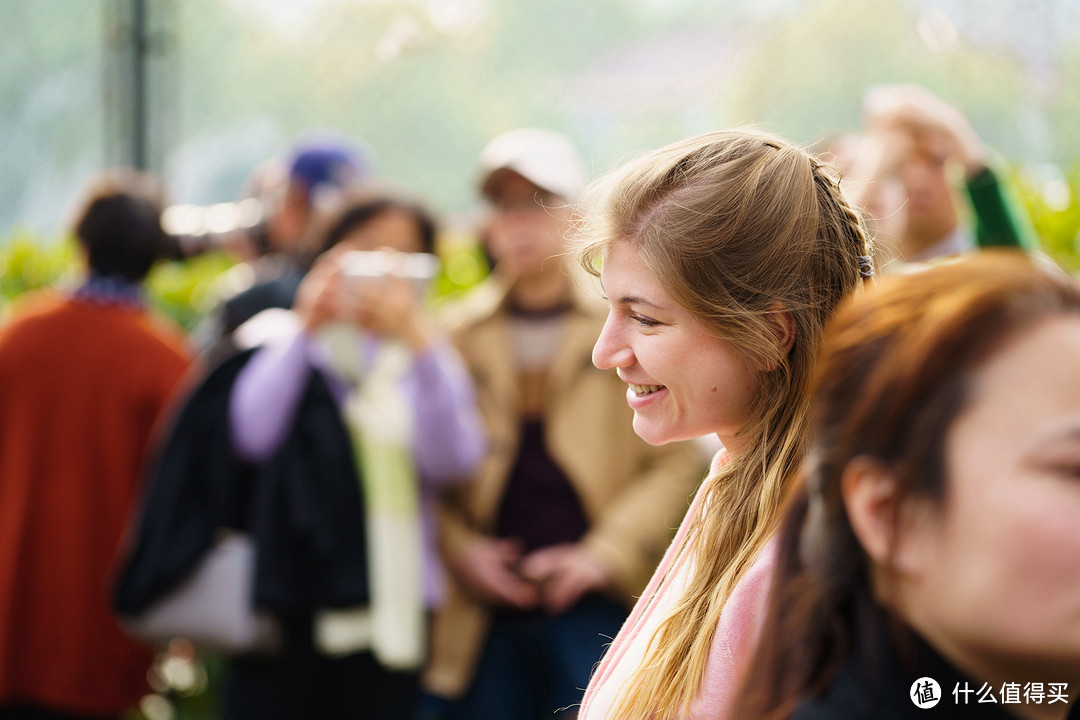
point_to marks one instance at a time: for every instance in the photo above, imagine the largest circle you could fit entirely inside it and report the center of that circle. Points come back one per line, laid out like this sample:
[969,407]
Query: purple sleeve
[265,397]
[448,433]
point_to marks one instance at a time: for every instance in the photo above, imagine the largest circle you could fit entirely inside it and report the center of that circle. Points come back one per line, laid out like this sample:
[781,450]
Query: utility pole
[137,75]
[138,85]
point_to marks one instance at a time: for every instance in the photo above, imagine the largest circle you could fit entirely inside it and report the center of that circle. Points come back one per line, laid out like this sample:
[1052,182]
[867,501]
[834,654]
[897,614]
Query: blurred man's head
[925,138]
[872,184]
[118,224]
[931,206]
[316,168]
[531,178]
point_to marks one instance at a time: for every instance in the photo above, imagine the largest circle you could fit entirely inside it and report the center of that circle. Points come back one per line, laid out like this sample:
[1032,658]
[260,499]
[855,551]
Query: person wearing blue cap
[318,170]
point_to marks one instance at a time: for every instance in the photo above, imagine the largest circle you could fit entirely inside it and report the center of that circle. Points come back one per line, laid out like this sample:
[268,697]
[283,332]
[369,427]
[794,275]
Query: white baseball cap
[546,158]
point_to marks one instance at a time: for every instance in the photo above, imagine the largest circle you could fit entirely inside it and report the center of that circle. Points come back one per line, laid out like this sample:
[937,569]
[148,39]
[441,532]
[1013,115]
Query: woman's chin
[654,433]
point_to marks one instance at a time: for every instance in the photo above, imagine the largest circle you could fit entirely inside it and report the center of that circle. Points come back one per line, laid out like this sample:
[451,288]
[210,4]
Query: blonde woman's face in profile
[682,382]
[994,572]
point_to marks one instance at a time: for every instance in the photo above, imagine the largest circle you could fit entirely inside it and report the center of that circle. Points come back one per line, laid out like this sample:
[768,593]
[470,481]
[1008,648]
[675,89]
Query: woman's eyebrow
[1065,432]
[637,300]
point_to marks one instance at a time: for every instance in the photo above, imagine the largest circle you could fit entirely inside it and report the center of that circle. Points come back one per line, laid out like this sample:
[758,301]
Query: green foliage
[28,264]
[463,266]
[187,290]
[181,290]
[1054,208]
[231,83]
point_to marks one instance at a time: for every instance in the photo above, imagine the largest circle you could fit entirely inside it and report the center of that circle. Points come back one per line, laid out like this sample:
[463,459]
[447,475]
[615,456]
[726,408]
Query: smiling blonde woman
[722,257]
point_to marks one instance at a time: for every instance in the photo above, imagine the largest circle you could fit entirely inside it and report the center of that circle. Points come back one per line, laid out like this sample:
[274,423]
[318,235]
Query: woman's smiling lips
[638,395]
[645,389]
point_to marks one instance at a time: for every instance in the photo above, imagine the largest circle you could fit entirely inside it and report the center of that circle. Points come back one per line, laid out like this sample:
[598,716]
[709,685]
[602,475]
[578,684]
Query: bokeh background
[425,83]
[202,91]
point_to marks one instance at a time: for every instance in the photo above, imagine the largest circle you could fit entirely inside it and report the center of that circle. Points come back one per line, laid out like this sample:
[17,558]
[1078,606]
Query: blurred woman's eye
[1064,464]
[1067,470]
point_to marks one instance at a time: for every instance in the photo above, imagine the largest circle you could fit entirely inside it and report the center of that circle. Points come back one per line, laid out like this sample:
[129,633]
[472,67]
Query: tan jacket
[633,494]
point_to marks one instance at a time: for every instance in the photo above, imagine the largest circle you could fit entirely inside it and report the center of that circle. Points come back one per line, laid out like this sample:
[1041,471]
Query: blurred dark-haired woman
[408,404]
[934,557]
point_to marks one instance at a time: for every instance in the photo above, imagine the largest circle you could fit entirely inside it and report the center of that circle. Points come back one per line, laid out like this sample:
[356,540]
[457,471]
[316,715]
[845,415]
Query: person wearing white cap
[570,511]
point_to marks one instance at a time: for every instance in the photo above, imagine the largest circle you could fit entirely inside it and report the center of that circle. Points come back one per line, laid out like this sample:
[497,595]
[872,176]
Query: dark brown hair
[893,373]
[118,224]
[359,209]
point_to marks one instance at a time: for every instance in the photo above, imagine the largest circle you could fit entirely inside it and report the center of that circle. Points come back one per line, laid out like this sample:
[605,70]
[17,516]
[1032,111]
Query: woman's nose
[610,350]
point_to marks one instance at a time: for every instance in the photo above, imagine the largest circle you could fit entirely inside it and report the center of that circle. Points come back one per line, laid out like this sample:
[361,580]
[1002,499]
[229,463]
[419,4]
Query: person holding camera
[408,404]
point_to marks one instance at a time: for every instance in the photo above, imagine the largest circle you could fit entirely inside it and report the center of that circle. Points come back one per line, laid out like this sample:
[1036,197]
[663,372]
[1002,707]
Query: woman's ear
[871,496]
[784,322]
[783,326]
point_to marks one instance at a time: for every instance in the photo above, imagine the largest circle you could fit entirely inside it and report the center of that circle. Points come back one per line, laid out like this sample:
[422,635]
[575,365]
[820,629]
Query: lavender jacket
[448,440]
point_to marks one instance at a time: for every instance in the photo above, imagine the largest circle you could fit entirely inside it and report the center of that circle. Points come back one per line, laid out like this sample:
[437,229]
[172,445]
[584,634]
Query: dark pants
[32,713]
[536,666]
[301,683]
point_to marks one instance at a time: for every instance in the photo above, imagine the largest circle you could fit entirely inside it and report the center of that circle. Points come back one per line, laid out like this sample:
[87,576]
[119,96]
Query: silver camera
[418,268]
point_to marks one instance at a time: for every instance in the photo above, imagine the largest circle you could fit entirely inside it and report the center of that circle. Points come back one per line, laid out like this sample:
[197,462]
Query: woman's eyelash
[642,320]
[1071,470]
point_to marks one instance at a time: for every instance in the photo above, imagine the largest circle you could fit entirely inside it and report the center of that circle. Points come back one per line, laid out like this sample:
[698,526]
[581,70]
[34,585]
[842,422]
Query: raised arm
[266,395]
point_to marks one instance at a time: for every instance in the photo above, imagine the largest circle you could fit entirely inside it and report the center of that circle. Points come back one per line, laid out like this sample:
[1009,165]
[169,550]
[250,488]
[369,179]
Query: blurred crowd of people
[502,506]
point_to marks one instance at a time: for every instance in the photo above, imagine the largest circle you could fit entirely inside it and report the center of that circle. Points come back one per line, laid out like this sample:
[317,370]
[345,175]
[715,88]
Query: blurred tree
[807,73]
[427,82]
[51,127]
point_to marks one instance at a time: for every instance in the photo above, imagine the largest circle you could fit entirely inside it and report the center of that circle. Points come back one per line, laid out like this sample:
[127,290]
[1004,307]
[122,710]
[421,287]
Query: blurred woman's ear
[890,525]
[871,493]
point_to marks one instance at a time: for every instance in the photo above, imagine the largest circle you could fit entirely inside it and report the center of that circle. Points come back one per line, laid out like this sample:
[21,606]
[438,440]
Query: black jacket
[875,684]
[303,507]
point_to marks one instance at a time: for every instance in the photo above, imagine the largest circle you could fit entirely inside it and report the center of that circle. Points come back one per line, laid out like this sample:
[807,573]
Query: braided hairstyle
[745,231]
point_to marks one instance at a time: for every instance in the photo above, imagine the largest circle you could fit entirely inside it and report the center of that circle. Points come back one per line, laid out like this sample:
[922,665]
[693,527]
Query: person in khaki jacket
[570,511]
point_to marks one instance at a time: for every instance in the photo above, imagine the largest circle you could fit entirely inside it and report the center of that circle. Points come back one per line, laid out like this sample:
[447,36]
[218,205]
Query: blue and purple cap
[332,163]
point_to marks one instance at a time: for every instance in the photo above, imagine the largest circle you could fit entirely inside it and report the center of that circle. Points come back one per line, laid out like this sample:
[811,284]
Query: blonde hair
[738,227]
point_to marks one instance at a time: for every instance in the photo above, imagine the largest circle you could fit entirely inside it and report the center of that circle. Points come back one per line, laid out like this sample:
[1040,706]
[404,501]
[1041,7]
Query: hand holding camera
[318,296]
[380,291]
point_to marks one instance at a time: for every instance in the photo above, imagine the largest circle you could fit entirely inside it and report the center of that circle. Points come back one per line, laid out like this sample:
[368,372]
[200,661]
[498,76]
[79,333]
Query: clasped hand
[552,578]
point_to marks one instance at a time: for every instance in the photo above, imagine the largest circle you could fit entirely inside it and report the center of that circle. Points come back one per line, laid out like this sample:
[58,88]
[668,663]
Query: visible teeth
[644,389]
